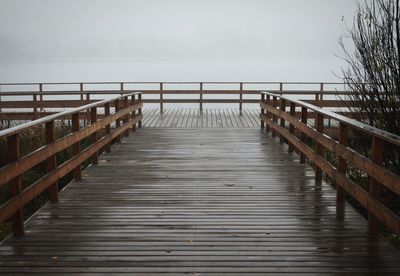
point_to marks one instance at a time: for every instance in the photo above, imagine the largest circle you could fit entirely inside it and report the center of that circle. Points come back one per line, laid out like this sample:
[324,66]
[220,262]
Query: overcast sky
[63,40]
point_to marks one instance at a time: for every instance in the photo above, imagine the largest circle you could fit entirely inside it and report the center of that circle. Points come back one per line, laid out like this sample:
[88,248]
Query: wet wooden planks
[197,201]
[194,118]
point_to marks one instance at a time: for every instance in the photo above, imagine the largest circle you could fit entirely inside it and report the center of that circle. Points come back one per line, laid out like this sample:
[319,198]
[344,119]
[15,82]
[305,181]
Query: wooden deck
[197,201]
[193,118]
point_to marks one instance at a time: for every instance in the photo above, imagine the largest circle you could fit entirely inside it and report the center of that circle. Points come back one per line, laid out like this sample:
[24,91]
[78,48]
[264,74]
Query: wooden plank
[181,118]
[189,115]
[222,117]
[233,119]
[155,119]
[148,116]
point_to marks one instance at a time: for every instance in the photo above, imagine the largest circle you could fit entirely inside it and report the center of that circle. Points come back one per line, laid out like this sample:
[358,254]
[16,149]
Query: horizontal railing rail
[37,92]
[100,133]
[297,131]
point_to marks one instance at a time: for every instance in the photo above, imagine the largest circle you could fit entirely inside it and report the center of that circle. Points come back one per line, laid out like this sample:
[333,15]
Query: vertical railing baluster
[126,117]
[122,88]
[282,121]
[321,94]
[17,220]
[201,97]
[140,110]
[133,99]
[161,97]
[303,136]
[76,148]
[241,98]
[51,162]
[108,126]
[35,104]
[317,98]
[319,125]
[262,110]
[274,117]
[342,168]
[0,100]
[118,121]
[87,118]
[267,114]
[93,137]
[41,96]
[81,91]
[291,126]
[375,187]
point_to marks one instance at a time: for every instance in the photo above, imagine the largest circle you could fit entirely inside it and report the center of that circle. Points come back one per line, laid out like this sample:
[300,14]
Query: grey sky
[270,32]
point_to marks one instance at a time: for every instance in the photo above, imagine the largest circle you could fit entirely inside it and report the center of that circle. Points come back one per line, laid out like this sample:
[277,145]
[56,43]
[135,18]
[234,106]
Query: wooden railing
[100,132]
[240,92]
[296,131]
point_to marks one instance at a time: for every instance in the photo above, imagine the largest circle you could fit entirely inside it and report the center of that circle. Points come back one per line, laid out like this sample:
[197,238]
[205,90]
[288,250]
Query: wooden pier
[199,192]
[208,118]
[197,201]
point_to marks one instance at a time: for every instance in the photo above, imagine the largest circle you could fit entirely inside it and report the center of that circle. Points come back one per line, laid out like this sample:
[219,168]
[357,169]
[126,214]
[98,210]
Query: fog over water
[174,40]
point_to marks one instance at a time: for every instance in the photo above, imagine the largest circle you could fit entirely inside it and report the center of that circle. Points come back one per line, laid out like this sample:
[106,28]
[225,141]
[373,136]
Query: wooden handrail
[20,128]
[389,137]
[86,89]
[126,117]
[379,175]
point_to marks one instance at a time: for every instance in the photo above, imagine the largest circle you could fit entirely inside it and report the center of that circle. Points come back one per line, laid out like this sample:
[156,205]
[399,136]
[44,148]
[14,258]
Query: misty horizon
[155,40]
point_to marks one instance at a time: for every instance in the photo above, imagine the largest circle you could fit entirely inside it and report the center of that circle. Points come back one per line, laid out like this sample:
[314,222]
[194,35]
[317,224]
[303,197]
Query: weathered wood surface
[194,118]
[197,201]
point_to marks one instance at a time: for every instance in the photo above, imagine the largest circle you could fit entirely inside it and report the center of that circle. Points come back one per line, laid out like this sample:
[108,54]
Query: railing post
[87,119]
[375,188]
[133,112]
[201,97]
[93,137]
[282,121]
[35,111]
[140,111]
[319,125]
[0,99]
[126,117]
[41,96]
[274,118]
[122,88]
[267,114]
[117,122]
[342,168]
[321,94]
[108,127]
[280,88]
[303,137]
[241,98]
[262,110]
[317,98]
[76,148]
[81,90]
[51,163]
[161,97]
[17,220]
[291,126]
